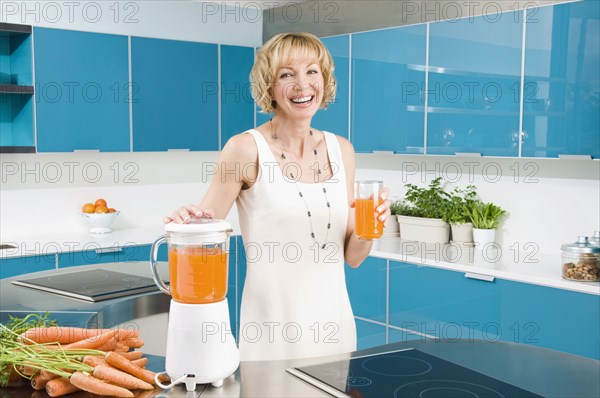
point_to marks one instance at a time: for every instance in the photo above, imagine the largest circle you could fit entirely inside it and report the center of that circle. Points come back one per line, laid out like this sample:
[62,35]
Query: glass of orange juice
[366,200]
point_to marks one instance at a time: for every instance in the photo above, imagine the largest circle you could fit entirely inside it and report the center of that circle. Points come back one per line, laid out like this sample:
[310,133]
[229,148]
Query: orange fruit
[111,210]
[88,208]
[101,202]
[101,209]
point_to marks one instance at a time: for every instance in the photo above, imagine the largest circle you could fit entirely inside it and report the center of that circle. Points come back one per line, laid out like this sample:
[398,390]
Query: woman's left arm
[356,250]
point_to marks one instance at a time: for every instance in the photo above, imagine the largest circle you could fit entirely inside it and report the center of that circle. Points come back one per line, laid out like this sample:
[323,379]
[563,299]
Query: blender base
[200,346]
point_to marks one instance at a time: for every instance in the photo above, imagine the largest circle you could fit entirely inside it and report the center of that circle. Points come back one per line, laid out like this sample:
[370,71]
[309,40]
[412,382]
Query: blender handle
[153,261]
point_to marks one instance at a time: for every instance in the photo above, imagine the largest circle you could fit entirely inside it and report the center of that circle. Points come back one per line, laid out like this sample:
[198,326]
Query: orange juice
[368,225]
[198,275]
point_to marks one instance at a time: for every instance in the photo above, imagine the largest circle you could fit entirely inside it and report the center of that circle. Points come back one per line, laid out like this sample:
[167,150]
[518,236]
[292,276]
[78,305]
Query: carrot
[39,381]
[93,361]
[136,342]
[131,355]
[110,345]
[26,370]
[59,387]
[96,386]
[121,348]
[141,362]
[125,365]
[94,341]
[120,378]
[68,335]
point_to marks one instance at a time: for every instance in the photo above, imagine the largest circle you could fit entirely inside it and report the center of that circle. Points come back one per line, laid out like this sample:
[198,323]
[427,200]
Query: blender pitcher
[200,346]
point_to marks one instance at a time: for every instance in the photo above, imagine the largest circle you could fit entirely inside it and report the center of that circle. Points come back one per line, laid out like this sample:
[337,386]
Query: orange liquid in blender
[367,225]
[198,275]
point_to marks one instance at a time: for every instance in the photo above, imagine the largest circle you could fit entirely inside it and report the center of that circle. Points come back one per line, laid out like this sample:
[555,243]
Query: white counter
[522,266]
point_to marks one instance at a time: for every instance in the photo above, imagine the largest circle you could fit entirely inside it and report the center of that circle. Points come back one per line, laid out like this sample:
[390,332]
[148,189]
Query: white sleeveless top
[295,303]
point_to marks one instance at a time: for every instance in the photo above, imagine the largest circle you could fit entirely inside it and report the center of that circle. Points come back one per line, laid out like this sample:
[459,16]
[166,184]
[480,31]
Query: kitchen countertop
[545,372]
[523,266]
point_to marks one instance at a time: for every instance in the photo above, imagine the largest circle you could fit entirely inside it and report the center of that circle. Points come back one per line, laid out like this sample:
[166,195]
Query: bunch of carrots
[63,360]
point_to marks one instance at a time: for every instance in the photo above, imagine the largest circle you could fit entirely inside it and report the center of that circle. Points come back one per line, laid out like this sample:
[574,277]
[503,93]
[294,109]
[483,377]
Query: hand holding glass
[366,200]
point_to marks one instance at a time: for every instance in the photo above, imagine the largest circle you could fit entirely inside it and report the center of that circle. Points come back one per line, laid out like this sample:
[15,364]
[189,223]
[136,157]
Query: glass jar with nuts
[581,261]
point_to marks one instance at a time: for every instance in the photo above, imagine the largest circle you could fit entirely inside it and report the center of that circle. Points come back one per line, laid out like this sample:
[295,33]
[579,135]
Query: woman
[293,186]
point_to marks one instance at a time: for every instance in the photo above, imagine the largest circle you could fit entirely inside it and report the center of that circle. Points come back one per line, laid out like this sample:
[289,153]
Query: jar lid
[199,225]
[583,245]
[595,240]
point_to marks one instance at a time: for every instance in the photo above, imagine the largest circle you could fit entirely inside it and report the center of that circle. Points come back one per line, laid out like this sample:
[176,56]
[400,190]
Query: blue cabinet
[175,95]
[446,304]
[562,81]
[474,85]
[369,335]
[388,85]
[335,118]
[16,88]
[82,86]
[24,265]
[367,287]
[237,105]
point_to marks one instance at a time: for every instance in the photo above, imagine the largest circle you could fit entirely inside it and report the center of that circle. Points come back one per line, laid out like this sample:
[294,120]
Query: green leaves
[428,202]
[455,213]
[484,215]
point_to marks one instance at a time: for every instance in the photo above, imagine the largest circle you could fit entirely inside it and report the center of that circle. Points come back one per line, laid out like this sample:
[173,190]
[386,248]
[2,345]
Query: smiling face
[289,68]
[298,88]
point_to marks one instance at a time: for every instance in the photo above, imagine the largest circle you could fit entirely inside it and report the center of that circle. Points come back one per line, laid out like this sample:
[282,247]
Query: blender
[200,346]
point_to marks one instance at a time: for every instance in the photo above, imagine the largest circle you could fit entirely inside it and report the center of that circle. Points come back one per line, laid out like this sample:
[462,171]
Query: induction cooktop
[91,285]
[405,374]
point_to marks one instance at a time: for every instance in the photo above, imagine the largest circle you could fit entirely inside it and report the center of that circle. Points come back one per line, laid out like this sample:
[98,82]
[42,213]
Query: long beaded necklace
[312,231]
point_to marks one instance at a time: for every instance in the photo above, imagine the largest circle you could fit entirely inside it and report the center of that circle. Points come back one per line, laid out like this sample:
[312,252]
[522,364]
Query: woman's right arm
[231,175]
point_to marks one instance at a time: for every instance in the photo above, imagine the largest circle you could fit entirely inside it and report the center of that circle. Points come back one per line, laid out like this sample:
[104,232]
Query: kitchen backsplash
[549,201]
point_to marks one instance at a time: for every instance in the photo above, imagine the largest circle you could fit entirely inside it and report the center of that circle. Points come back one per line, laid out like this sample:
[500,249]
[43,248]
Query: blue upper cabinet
[388,84]
[82,85]
[562,81]
[175,95]
[335,117]
[474,85]
[237,105]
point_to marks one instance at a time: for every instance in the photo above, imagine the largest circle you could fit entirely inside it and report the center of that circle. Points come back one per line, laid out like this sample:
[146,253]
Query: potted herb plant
[457,216]
[422,218]
[392,228]
[485,218]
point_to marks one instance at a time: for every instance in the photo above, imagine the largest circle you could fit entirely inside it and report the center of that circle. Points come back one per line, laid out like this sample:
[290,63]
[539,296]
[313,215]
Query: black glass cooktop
[405,374]
[91,285]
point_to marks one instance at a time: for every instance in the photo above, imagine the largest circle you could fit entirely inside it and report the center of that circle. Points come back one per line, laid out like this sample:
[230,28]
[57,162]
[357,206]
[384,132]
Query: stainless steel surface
[329,18]
[109,313]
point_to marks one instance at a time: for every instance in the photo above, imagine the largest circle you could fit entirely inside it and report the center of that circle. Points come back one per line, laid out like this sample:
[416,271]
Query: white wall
[208,22]
[550,201]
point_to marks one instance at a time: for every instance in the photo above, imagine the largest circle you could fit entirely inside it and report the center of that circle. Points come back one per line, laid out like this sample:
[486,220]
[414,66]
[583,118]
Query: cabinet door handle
[575,157]
[86,150]
[480,277]
[109,250]
[383,152]
[178,150]
[468,154]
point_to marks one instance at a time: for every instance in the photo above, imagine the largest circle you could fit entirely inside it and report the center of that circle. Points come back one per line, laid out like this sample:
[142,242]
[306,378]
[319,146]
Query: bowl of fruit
[99,216]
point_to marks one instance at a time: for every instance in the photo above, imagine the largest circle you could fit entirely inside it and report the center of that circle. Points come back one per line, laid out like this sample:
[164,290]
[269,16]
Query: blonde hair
[283,48]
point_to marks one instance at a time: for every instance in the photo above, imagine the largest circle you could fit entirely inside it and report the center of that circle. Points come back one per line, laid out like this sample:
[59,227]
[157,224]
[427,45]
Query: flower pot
[392,229]
[462,233]
[483,237]
[420,229]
